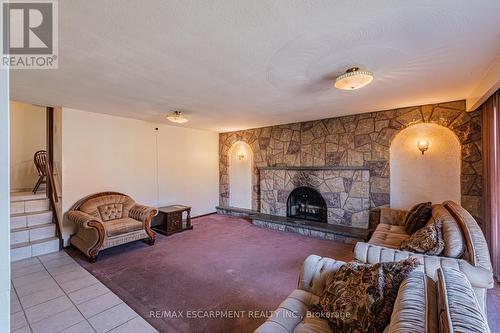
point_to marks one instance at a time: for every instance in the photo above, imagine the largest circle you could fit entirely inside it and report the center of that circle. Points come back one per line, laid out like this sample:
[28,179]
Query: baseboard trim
[203,215]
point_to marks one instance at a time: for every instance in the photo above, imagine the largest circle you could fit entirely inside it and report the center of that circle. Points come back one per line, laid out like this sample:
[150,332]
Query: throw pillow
[427,240]
[360,297]
[417,217]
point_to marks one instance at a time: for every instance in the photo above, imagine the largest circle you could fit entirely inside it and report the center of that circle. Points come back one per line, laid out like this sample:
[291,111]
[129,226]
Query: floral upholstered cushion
[427,240]
[360,297]
[417,217]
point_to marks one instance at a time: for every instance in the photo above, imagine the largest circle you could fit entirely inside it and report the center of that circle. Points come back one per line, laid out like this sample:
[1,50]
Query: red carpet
[225,267]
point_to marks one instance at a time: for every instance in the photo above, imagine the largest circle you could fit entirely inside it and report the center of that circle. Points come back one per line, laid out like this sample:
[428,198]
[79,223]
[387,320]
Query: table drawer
[174,221]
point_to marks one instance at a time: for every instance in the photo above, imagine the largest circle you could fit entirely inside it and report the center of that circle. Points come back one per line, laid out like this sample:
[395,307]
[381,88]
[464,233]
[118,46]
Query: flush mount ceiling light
[353,78]
[177,117]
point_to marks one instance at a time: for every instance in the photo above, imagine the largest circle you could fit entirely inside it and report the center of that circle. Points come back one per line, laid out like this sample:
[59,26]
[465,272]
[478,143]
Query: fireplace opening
[306,203]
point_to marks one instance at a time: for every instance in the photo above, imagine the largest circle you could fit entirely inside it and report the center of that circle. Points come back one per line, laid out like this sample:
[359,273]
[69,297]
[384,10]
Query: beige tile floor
[52,293]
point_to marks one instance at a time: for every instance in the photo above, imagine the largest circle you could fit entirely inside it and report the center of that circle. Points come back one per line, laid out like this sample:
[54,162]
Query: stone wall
[358,140]
[346,192]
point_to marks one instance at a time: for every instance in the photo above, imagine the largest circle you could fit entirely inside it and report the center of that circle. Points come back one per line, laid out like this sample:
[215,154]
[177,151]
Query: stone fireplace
[361,140]
[306,203]
[345,192]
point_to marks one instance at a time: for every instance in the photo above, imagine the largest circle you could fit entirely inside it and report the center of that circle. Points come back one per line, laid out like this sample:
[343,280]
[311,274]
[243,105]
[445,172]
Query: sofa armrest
[315,270]
[84,220]
[372,254]
[392,216]
[142,213]
[90,234]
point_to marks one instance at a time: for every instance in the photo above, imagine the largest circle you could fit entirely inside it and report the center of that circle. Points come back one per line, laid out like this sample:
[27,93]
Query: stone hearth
[334,232]
[346,191]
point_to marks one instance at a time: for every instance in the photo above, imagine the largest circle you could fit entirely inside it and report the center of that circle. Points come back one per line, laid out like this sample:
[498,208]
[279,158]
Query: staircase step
[24,220]
[20,235]
[17,207]
[33,233]
[24,196]
[32,206]
[31,249]
[44,246]
[29,206]
[20,251]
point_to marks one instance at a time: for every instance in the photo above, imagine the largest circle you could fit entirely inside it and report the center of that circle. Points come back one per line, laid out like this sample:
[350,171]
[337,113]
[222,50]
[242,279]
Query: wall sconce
[423,145]
[241,155]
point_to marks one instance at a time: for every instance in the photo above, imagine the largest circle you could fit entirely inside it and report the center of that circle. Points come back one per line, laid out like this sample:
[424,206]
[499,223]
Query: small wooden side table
[171,219]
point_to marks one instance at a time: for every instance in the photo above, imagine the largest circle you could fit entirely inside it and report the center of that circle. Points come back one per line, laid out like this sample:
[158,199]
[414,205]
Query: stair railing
[54,198]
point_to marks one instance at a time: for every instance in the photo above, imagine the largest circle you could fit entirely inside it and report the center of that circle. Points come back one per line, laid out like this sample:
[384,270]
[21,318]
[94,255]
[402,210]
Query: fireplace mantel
[285,167]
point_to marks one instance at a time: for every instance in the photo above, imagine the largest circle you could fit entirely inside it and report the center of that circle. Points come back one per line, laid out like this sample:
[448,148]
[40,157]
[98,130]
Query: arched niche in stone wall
[433,176]
[240,175]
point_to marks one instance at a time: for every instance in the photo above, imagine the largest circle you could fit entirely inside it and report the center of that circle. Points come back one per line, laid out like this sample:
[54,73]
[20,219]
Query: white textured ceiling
[237,64]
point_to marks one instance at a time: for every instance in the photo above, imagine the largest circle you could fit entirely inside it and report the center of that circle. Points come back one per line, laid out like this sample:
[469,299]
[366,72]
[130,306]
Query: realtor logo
[29,34]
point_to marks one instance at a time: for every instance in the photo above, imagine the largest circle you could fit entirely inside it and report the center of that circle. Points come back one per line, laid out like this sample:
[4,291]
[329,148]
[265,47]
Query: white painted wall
[434,176]
[240,176]
[104,153]
[4,204]
[27,135]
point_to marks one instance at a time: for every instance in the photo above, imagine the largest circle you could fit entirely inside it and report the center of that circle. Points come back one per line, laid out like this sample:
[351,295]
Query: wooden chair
[41,167]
